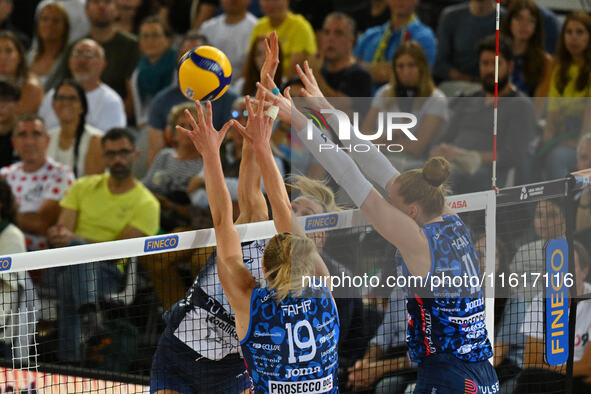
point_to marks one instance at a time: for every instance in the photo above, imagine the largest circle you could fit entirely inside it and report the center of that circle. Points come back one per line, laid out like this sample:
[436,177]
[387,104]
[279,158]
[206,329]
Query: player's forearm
[275,186]
[250,196]
[388,366]
[218,195]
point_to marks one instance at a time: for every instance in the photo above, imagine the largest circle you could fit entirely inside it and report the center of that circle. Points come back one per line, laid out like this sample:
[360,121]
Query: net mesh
[130,314]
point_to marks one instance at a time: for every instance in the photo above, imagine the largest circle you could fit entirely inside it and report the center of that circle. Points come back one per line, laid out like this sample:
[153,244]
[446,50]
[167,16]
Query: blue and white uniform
[291,346]
[446,330]
[199,349]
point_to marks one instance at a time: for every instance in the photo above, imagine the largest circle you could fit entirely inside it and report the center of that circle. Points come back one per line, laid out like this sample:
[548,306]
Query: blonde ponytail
[287,258]
[316,190]
[426,186]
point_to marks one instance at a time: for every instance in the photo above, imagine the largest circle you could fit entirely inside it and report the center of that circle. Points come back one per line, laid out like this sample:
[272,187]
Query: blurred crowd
[89,101]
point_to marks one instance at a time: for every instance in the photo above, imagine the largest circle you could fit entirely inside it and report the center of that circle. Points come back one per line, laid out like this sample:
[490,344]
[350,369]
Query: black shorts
[177,367]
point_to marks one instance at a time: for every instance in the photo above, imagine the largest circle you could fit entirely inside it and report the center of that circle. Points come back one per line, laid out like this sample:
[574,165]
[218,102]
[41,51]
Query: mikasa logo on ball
[204,73]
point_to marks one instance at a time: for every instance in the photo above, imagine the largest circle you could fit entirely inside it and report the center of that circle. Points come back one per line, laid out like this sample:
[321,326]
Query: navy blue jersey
[451,318]
[204,320]
[291,346]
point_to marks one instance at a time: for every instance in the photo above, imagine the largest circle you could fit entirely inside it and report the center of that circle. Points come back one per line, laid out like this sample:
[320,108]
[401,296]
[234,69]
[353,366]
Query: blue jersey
[291,346]
[203,320]
[451,318]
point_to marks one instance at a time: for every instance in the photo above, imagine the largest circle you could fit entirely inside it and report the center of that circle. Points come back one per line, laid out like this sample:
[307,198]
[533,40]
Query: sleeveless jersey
[203,320]
[451,318]
[291,347]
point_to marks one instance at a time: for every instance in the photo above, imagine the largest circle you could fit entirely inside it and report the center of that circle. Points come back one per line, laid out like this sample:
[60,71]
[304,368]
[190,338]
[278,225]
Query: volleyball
[204,73]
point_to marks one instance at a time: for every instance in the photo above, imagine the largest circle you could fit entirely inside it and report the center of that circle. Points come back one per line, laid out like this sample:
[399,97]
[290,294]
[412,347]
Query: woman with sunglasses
[74,142]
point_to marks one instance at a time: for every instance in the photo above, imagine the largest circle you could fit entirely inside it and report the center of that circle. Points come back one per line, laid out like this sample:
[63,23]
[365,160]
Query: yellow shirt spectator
[296,36]
[566,102]
[102,215]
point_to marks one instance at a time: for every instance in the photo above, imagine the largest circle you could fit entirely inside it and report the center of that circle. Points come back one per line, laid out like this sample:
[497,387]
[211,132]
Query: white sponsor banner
[314,386]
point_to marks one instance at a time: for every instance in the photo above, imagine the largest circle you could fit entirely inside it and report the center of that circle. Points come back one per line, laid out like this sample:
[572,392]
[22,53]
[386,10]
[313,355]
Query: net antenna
[496,104]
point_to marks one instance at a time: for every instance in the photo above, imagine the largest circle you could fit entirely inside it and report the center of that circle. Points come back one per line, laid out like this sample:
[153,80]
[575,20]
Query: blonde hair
[316,190]
[426,186]
[179,110]
[287,258]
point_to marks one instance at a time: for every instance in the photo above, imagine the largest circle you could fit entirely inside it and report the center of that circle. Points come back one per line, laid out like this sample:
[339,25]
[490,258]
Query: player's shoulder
[91,182]
[144,196]
[11,169]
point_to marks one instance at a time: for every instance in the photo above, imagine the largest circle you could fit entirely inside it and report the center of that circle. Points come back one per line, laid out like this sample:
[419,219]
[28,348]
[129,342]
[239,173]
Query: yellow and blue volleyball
[204,73]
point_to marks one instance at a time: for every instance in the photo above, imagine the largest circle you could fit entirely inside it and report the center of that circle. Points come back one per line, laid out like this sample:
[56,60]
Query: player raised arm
[235,278]
[386,218]
[251,201]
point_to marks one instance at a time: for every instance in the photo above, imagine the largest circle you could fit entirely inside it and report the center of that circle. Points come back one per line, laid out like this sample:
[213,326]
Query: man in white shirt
[37,182]
[230,32]
[105,107]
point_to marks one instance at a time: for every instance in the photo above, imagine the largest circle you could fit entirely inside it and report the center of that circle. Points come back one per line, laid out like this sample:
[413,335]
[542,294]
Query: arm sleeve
[71,198]
[428,43]
[113,115]
[147,216]
[156,165]
[304,38]
[336,162]
[373,163]
[60,183]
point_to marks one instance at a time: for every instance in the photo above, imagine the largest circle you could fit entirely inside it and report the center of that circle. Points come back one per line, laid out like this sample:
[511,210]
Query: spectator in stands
[570,88]
[37,182]
[550,25]
[541,378]
[75,143]
[13,64]
[155,69]
[20,307]
[105,107]
[411,90]
[246,84]
[533,65]
[583,218]
[376,47]
[6,8]
[131,13]
[549,223]
[99,208]
[297,38]
[53,28]
[467,143]
[230,32]
[386,353]
[206,9]
[460,29]
[172,95]
[9,96]
[336,70]
[172,169]
[121,49]
[79,25]
[366,14]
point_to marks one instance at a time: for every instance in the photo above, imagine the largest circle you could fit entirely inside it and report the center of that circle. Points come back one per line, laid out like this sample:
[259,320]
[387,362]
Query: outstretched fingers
[225,128]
